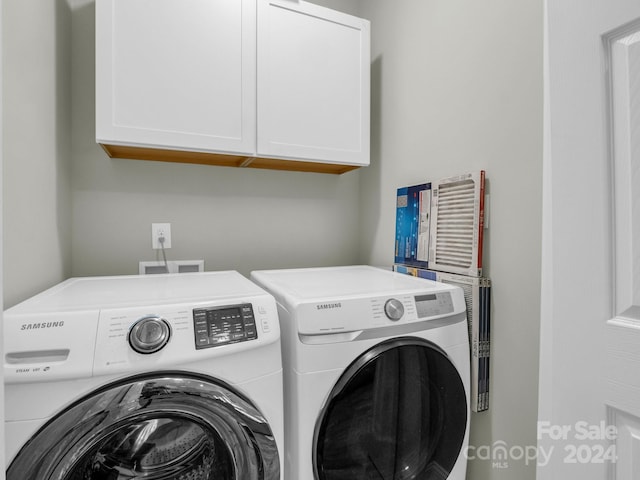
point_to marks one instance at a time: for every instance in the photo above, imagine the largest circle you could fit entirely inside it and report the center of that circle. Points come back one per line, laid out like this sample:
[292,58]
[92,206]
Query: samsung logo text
[35,326]
[327,306]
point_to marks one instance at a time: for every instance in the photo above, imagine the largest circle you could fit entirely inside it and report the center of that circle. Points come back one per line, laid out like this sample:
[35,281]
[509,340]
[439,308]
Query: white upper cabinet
[176,74]
[278,84]
[313,83]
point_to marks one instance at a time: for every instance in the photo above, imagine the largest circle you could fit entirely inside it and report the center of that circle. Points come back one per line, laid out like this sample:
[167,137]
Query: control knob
[394,309]
[149,334]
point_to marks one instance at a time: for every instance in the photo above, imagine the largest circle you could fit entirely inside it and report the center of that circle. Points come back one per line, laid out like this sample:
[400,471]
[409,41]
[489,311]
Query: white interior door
[622,395]
[2,459]
[589,416]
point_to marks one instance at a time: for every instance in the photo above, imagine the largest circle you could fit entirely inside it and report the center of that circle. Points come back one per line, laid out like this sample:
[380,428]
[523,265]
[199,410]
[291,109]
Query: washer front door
[173,425]
[398,412]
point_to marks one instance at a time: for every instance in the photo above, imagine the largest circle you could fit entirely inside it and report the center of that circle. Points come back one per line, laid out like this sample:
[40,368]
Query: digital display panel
[433,304]
[426,298]
[223,325]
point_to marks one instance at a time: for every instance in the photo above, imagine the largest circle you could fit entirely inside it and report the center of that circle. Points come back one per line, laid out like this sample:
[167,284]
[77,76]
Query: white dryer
[146,377]
[376,374]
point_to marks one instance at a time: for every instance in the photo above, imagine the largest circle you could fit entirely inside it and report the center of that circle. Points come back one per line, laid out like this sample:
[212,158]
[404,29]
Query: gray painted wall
[37,143]
[457,86]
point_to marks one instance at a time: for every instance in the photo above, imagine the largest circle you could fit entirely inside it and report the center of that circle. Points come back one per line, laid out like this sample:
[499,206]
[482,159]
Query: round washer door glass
[398,412]
[170,426]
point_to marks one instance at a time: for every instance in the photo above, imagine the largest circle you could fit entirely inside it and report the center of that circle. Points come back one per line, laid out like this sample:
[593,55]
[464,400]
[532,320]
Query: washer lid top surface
[138,290]
[339,282]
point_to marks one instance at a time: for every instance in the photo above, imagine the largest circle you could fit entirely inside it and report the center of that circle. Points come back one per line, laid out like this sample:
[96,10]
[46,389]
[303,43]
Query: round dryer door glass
[174,426]
[398,412]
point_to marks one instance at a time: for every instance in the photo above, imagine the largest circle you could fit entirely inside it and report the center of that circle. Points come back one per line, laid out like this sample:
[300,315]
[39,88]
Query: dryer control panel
[340,315]
[434,304]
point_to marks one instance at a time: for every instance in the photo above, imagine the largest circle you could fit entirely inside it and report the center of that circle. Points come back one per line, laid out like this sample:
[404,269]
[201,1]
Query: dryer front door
[398,412]
[166,426]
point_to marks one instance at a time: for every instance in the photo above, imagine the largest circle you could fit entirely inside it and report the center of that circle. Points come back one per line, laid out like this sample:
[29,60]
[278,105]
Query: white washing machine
[147,377]
[376,374]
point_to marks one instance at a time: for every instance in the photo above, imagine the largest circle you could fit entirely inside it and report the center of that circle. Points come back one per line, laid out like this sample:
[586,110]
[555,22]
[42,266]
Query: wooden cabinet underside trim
[205,158]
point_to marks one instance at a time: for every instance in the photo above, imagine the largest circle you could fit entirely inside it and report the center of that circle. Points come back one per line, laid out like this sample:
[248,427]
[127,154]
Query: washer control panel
[216,326]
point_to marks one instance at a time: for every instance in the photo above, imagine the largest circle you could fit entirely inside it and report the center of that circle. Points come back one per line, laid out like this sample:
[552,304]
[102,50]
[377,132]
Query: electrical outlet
[158,231]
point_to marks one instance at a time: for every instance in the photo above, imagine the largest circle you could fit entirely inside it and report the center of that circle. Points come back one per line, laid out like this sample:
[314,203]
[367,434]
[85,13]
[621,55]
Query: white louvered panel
[454,240]
[454,246]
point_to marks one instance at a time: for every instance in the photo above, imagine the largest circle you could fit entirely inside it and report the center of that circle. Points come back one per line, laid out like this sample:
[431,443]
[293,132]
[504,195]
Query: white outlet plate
[160,230]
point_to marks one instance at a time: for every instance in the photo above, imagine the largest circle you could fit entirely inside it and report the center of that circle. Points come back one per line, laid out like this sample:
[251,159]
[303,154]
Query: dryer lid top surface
[340,282]
[89,293]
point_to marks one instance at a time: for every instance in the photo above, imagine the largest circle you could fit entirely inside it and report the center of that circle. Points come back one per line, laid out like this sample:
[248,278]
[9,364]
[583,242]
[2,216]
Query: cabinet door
[176,74]
[313,83]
